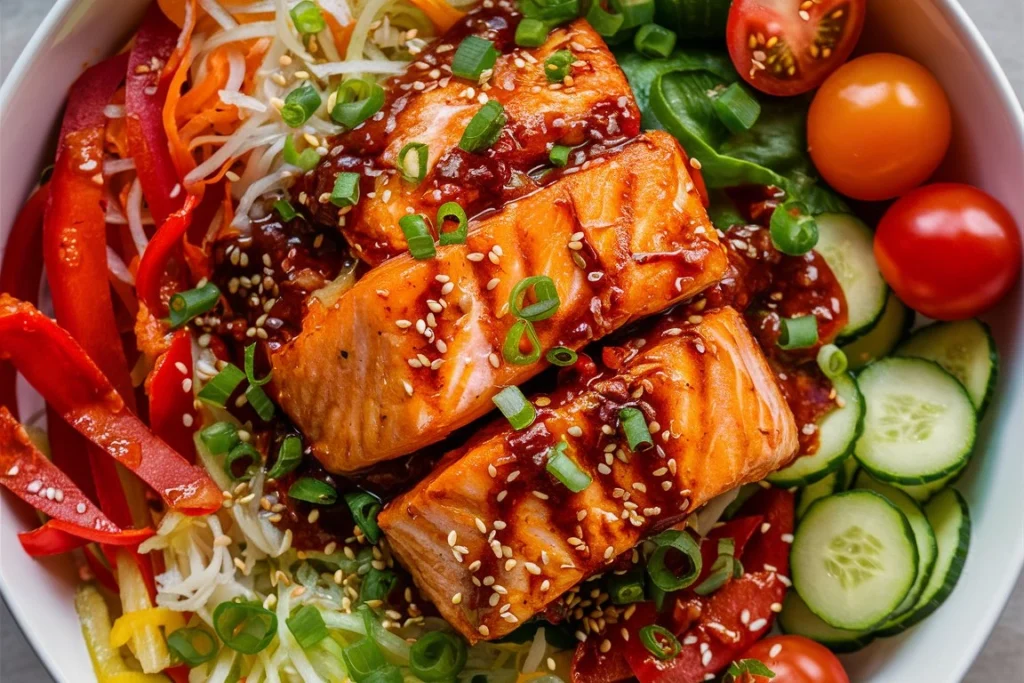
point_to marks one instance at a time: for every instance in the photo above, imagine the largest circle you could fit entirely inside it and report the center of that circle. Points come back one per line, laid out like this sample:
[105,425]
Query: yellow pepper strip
[135,677]
[440,13]
[128,624]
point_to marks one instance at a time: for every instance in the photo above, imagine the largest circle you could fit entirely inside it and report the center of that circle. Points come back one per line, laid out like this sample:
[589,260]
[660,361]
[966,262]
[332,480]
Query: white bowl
[988,151]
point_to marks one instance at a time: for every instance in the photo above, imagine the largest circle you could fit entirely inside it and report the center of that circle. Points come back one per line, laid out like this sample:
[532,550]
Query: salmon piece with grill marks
[493,539]
[413,350]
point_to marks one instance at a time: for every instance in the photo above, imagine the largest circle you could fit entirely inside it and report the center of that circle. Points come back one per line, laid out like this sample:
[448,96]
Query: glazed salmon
[493,538]
[590,111]
[414,349]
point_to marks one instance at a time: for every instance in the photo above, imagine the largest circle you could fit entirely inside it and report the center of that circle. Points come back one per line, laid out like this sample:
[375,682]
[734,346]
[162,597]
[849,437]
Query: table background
[1002,24]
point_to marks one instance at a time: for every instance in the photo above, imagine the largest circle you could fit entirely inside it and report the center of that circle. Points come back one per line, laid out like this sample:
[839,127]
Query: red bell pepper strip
[21,273]
[166,243]
[28,474]
[67,378]
[169,400]
[145,92]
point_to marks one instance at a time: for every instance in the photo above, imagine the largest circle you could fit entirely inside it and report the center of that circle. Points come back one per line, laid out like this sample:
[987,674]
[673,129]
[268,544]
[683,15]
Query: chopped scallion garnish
[364,508]
[634,12]
[300,104]
[452,211]
[654,41]
[193,646]
[473,56]
[307,626]
[484,128]
[546,302]
[219,389]
[220,437]
[532,32]
[687,567]
[364,661]
[555,11]
[519,412]
[558,66]
[564,469]
[798,333]
[660,642]
[604,22]
[305,160]
[832,360]
[559,155]
[736,108]
[313,491]
[307,18]
[284,207]
[562,356]
[512,349]
[346,189]
[793,230]
[412,161]
[244,626]
[260,402]
[417,236]
[625,589]
[634,424]
[184,306]
[250,367]
[377,584]
[242,462]
[356,101]
[288,457]
[438,656]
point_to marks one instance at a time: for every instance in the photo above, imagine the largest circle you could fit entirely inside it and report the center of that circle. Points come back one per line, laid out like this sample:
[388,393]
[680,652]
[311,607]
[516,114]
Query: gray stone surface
[1002,24]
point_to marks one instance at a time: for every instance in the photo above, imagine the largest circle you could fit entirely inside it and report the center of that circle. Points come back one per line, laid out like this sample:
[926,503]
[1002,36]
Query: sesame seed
[545,585]
[492,283]
[457,598]
[758,624]
[787,538]
[575,431]
[475,257]
[776,607]
[705,658]
[483,630]
[453,537]
[765,527]
[80,508]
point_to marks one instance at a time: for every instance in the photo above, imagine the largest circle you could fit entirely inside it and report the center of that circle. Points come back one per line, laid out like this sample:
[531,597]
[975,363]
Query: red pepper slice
[60,370]
[28,474]
[145,92]
[165,244]
[169,401]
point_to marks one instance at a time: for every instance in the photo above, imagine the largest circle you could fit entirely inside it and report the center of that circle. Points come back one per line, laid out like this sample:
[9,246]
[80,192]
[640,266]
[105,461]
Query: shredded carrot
[175,10]
[440,13]
[183,160]
[341,34]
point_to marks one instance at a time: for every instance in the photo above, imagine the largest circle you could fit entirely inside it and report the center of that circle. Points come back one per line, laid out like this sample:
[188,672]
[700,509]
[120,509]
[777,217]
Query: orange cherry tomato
[878,126]
[795,659]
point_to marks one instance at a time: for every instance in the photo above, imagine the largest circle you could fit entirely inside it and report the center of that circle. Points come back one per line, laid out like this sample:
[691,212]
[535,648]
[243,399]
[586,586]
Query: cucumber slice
[883,337]
[922,493]
[832,483]
[950,518]
[850,469]
[797,619]
[924,537]
[853,559]
[965,349]
[847,245]
[919,425]
[837,435]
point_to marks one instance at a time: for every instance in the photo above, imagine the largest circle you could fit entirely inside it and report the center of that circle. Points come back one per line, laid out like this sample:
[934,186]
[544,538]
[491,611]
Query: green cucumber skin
[923,611]
[891,343]
[836,485]
[843,642]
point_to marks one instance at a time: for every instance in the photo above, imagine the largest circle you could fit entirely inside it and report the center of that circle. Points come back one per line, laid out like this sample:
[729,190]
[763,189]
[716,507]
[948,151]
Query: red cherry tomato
[879,126]
[782,47]
[948,250]
[795,659]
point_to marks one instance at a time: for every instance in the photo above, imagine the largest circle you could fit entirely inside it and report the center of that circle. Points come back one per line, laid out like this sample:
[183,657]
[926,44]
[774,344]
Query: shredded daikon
[133,212]
[115,166]
[241,101]
[257,29]
[117,267]
[219,14]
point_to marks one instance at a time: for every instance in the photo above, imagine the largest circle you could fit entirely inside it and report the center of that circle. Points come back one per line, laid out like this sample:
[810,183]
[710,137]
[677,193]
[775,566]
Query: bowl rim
[973,42]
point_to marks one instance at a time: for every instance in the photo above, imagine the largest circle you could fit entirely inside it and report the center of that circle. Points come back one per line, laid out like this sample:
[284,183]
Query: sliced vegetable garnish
[832,360]
[313,491]
[452,211]
[559,155]
[260,402]
[412,161]
[307,626]
[554,11]
[288,457]
[284,208]
[220,437]
[660,642]
[356,100]
[346,189]
[654,41]
[519,412]
[377,584]
[725,567]
[307,159]
[561,356]
[658,568]
[473,56]
[250,367]
[300,104]
[798,333]
[512,351]
[307,18]
[625,589]
[438,656]
[546,298]
[558,66]
[736,108]
[364,662]
[484,128]
[634,424]
[417,236]
[793,230]
[603,21]
[242,462]
[245,627]
[194,646]
[531,32]
[564,469]
[365,507]
[219,389]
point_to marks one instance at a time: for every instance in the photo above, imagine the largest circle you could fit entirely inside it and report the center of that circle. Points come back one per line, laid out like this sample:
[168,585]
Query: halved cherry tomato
[795,659]
[949,251]
[787,47]
[879,126]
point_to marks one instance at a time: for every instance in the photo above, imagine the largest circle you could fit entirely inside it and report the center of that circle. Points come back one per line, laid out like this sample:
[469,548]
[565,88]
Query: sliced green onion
[654,41]
[736,108]
[250,460]
[288,457]
[452,211]
[412,161]
[519,412]
[346,189]
[555,11]
[244,626]
[793,231]
[307,626]
[307,18]
[625,589]
[313,491]
[417,236]
[306,160]
[559,155]
[299,105]
[726,567]
[184,306]
[260,402]
[356,101]
[798,333]
[558,66]
[377,584]
[484,128]
[438,656]
[634,424]
[193,646]
[658,569]
[604,22]
[284,207]
[532,32]
[250,367]
[512,350]
[562,356]
[634,12]
[546,304]
[473,56]
[219,389]
[220,437]
[364,508]
[832,360]
[660,642]
[364,661]
[564,469]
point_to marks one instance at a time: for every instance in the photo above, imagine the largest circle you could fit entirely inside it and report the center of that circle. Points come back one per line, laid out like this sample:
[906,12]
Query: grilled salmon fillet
[492,538]
[414,349]
[590,111]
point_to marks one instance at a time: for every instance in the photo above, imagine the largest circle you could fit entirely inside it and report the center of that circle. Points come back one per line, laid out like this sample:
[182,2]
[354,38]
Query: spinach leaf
[694,20]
